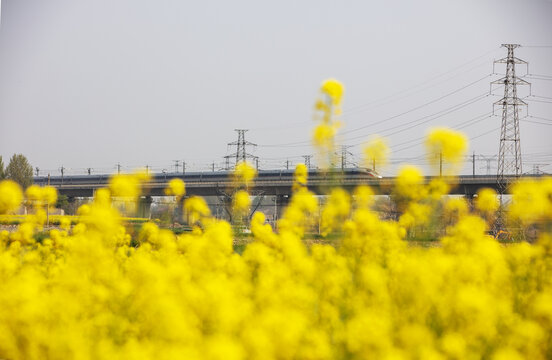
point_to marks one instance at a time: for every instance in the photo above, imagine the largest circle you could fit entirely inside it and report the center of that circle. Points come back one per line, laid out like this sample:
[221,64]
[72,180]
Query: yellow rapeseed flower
[409,183]
[300,177]
[176,188]
[335,211]
[532,200]
[124,185]
[11,196]
[241,203]
[33,193]
[363,197]
[244,174]
[196,208]
[334,89]
[96,291]
[324,135]
[376,151]
[447,145]
[487,201]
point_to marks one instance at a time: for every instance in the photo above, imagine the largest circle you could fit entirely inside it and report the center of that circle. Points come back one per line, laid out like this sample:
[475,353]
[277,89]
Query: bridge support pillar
[281,202]
[469,199]
[144,207]
[179,211]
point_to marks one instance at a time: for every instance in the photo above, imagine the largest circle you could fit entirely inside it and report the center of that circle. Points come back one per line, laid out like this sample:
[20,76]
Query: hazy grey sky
[92,83]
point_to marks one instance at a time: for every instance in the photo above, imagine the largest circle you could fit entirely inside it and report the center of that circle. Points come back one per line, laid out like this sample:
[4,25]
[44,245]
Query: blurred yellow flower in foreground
[241,202]
[448,146]
[11,196]
[103,290]
[487,201]
[334,89]
[244,173]
[376,152]
[197,208]
[176,188]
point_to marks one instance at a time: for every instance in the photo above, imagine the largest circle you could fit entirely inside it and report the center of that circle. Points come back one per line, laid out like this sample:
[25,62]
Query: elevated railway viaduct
[276,183]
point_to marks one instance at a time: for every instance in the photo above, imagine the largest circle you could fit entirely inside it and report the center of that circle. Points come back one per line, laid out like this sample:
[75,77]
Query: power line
[540,101]
[422,120]
[427,118]
[485,133]
[302,143]
[540,75]
[416,107]
[536,122]
[355,108]
[430,116]
[362,107]
[462,125]
[540,118]
[537,78]
[542,97]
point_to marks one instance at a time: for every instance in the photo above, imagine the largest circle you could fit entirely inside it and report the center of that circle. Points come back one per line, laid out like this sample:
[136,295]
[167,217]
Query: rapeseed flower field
[85,293]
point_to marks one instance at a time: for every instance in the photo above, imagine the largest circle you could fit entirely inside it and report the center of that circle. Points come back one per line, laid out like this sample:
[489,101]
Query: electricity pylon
[509,155]
[241,155]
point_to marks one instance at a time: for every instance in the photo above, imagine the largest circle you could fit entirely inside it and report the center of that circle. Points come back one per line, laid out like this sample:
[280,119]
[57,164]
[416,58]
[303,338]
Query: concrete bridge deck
[275,185]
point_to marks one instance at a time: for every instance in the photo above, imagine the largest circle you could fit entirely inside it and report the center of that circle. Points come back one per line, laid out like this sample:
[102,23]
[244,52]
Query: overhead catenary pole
[473,164]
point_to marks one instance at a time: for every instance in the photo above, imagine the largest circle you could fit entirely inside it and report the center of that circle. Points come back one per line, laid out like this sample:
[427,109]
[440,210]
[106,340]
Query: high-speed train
[211,176]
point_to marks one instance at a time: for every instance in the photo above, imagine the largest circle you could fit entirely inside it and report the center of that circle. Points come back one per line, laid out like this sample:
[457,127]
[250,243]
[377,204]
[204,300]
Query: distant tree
[68,205]
[62,202]
[19,170]
[2,172]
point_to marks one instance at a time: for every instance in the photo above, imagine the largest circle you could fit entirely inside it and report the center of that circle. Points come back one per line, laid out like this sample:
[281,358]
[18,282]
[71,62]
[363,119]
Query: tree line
[18,170]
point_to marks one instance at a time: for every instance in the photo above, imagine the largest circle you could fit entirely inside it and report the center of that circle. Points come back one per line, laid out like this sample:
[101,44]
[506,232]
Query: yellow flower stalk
[329,108]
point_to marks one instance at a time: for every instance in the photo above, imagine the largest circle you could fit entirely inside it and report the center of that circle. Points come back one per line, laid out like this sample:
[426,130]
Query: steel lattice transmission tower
[241,155]
[509,155]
